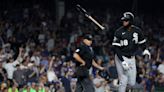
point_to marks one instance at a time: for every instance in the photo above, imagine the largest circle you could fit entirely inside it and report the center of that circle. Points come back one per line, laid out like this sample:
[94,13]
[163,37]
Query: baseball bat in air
[83,11]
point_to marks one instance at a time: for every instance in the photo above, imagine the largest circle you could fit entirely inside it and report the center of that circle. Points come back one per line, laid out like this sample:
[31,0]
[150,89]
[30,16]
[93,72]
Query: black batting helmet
[128,16]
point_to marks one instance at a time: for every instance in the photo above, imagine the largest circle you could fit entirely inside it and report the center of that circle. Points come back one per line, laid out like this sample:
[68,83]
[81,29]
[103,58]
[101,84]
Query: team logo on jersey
[115,39]
[135,37]
[123,33]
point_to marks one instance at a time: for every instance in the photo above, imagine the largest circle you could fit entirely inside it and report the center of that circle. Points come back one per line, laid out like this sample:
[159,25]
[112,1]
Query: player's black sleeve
[142,41]
[119,53]
[143,45]
[117,45]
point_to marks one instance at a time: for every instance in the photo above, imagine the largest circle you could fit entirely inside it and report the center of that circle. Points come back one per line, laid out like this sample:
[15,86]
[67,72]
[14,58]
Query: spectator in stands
[161,73]
[98,83]
[149,83]
[36,57]
[19,76]
[9,66]
[2,73]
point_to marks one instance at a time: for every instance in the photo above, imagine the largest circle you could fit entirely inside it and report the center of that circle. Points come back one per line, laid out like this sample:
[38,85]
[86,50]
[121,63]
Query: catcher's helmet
[128,16]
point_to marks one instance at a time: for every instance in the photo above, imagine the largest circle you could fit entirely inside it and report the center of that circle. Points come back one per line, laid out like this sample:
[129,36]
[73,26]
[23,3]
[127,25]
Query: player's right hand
[125,65]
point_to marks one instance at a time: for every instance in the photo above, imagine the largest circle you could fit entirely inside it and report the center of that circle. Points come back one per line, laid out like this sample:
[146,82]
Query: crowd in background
[36,51]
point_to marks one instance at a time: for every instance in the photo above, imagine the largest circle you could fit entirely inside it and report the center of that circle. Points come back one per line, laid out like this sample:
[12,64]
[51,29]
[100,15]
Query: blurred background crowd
[36,49]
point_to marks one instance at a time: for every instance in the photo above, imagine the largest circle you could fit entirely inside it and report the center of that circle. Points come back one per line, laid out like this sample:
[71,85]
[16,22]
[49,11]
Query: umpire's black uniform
[85,54]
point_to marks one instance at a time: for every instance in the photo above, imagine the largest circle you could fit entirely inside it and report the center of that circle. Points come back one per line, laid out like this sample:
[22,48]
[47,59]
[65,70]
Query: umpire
[84,57]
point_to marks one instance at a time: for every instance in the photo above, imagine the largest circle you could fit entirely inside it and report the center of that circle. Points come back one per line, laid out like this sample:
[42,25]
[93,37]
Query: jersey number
[124,42]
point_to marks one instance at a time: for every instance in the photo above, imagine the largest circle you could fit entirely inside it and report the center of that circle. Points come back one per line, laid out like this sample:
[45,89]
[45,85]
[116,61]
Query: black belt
[129,56]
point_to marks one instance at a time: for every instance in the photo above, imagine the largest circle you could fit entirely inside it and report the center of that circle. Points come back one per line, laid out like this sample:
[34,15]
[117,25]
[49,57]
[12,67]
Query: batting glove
[125,65]
[147,52]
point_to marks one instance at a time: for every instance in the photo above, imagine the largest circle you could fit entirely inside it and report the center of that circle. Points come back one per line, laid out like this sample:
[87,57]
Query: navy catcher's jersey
[128,41]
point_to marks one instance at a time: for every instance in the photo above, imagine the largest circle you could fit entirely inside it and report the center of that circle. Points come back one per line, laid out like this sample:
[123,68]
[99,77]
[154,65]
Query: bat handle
[92,19]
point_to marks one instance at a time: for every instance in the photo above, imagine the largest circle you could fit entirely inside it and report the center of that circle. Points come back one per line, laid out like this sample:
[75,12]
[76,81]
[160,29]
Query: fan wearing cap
[126,41]
[84,57]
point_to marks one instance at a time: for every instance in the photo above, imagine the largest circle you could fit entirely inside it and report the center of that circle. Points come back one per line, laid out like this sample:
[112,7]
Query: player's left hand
[147,52]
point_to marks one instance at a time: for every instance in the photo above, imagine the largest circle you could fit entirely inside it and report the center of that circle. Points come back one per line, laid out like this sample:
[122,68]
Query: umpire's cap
[88,37]
[128,16]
